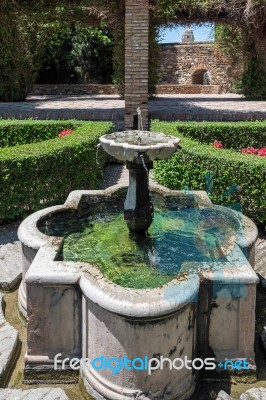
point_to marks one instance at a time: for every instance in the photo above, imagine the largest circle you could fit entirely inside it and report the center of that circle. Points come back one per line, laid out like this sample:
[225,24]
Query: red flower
[252,150]
[217,144]
[249,150]
[262,151]
[65,132]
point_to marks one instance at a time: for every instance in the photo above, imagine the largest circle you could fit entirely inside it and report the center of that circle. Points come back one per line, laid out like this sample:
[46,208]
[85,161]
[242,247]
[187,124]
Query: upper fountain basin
[128,145]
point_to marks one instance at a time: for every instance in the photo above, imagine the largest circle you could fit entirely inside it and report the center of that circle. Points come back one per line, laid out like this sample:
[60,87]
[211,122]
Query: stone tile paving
[98,107]
[9,345]
[254,394]
[260,260]
[33,394]
[251,394]
[227,107]
[10,257]
[115,174]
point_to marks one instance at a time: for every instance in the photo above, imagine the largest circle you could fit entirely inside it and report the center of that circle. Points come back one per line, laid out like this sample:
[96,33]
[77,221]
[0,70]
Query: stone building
[189,63]
[188,36]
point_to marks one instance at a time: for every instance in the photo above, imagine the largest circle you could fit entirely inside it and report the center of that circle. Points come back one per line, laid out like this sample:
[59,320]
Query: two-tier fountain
[139,149]
[177,285]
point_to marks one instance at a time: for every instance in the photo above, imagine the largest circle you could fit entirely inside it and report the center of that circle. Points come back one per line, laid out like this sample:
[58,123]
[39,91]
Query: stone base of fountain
[72,309]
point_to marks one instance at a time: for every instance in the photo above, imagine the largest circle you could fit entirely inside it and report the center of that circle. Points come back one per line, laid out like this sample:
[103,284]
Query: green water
[152,259]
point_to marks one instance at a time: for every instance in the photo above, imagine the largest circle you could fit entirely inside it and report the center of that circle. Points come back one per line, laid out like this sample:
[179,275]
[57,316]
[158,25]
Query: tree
[20,43]
[77,54]
[23,34]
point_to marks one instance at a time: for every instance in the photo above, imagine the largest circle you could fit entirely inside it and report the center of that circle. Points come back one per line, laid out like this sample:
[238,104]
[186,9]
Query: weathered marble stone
[260,261]
[10,265]
[10,256]
[254,394]
[223,396]
[33,394]
[8,344]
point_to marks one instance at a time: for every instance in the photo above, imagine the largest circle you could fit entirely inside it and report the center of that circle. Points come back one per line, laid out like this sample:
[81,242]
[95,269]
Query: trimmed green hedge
[14,133]
[230,178]
[36,175]
[234,135]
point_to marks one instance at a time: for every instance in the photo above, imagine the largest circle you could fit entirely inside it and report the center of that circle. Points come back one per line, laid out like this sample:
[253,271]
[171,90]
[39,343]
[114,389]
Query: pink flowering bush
[248,150]
[252,150]
[65,132]
[262,152]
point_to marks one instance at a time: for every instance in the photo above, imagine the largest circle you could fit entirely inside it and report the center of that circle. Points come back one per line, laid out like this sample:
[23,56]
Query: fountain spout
[140,123]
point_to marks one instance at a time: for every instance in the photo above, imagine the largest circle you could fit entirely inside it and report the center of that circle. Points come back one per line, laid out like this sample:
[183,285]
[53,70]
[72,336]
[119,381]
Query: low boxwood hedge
[14,132]
[230,178]
[233,135]
[36,175]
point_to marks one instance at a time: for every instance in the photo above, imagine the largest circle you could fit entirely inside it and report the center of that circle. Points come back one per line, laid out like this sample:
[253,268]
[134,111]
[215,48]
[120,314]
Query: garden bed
[230,178]
[38,168]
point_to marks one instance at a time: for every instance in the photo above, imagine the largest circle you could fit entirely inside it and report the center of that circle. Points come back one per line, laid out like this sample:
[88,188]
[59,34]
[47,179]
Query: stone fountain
[139,149]
[85,298]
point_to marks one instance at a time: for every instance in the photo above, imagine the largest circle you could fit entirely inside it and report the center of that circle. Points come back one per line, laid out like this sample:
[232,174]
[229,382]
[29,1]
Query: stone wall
[260,45]
[181,61]
[97,89]
[72,89]
[187,89]
[182,64]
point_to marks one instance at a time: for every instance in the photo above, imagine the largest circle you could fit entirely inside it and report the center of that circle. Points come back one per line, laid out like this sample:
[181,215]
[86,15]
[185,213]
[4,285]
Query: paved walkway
[226,107]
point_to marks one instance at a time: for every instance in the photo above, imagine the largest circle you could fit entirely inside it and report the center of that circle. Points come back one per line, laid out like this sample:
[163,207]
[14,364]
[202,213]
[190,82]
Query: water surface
[175,240]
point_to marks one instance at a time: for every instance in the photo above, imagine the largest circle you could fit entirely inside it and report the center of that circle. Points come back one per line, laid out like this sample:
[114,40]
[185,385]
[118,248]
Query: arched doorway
[203,74]
[201,77]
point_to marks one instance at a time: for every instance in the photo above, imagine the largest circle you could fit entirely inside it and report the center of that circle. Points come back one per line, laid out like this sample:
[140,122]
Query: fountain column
[136,61]
[138,210]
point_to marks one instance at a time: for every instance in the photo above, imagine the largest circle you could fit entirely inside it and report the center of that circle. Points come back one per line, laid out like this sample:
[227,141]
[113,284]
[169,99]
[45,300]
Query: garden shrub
[36,175]
[234,135]
[13,133]
[76,54]
[21,39]
[230,178]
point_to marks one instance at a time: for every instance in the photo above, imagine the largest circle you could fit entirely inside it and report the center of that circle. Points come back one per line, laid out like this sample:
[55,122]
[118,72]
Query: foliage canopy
[23,30]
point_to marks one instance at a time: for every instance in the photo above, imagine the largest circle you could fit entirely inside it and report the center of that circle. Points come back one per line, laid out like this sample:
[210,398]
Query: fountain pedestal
[138,211]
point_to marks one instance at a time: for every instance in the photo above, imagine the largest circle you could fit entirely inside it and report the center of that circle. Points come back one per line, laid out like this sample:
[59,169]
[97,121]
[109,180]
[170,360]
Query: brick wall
[136,60]
[180,61]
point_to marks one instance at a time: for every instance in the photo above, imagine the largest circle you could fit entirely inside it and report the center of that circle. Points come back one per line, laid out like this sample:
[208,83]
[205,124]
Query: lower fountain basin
[81,313]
